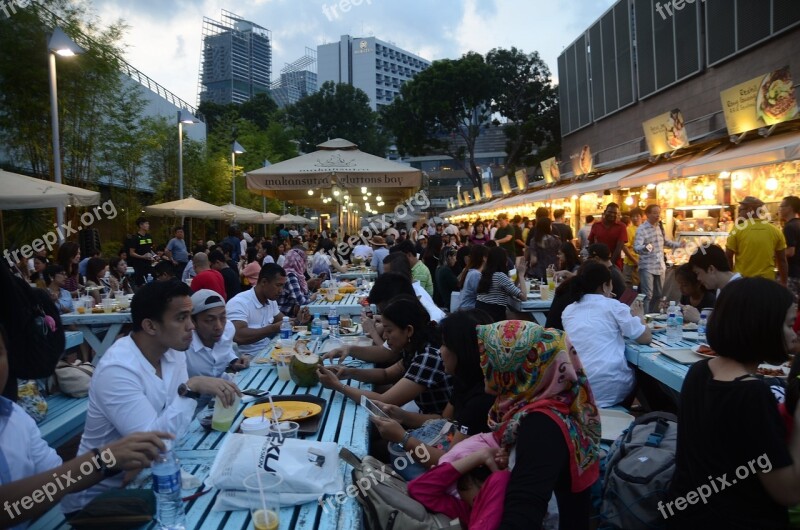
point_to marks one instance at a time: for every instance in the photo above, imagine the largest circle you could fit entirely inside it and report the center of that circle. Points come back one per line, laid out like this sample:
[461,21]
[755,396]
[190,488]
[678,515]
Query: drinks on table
[167,489]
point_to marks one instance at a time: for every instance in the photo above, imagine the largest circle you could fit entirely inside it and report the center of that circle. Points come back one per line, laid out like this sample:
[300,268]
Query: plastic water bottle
[167,488]
[286,332]
[702,325]
[674,330]
[149,279]
[316,326]
[333,322]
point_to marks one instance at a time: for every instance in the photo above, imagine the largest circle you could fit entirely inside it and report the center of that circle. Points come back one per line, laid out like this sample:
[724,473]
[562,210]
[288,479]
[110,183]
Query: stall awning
[661,172]
[608,181]
[759,152]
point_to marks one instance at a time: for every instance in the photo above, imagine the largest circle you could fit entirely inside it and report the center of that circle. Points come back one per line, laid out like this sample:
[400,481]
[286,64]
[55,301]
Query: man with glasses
[649,244]
[611,232]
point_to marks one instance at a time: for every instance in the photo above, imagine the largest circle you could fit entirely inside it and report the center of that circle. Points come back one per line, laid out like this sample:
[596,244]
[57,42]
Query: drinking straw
[275,416]
[261,490]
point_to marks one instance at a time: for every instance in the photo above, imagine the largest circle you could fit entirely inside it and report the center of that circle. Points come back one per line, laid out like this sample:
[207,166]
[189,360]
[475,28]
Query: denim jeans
[650,286]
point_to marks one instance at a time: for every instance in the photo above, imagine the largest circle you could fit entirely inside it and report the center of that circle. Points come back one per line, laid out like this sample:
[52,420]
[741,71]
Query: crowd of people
[524,398]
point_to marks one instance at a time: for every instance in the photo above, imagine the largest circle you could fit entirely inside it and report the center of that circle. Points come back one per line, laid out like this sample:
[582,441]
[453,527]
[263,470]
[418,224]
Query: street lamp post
[184,116]
[62,45]
[235,150]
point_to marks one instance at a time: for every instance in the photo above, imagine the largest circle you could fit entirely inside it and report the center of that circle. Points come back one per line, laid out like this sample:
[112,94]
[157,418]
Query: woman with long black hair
[495,288]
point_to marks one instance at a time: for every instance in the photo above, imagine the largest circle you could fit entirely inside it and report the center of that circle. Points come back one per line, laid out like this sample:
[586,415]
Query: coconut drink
[303,369]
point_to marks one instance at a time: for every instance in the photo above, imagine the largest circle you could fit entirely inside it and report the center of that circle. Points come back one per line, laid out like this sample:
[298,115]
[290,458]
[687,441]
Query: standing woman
[751,324]
[495,288]
[479,236]
[470,276]
[68,258]
[542,249]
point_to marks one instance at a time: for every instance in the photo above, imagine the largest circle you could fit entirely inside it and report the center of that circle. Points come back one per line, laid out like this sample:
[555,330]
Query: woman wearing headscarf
[546,418]
[295,293]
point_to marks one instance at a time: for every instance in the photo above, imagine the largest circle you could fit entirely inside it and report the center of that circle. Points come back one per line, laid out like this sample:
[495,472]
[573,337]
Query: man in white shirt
[363,251]
[450,230]
[211,351]
[255,313]
[141,383]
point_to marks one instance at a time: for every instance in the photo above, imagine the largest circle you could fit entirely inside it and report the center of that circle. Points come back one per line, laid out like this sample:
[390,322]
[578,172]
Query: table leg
[98,346]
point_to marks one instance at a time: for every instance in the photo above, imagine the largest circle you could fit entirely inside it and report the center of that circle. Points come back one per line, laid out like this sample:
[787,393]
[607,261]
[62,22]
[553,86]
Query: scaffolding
[236,60]
[297,80]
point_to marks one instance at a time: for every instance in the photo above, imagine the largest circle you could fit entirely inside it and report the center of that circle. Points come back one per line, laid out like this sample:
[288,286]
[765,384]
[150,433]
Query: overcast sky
[164,37]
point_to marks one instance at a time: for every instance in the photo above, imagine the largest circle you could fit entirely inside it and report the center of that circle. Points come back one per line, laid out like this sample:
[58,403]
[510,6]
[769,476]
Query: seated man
[142,383]
[255,313]
[211,351]
[230,276]
[164,271]
[206,277]
[713,270]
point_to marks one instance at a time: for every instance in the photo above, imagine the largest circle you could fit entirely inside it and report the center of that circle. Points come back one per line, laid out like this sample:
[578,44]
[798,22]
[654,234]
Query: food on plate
[771,372]
[691,326]
[347,331]
[776,99]
[303,369]
[299,329]
[705,349]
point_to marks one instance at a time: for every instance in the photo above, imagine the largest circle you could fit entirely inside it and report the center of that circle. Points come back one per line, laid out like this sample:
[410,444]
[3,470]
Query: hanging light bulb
[336,192]
[651,186]
[311,192]
[682,193]
[629,200]
[772,184]
[364,189]
[644,195]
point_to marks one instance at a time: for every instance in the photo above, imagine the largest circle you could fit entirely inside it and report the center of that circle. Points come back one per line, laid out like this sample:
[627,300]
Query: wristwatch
[185,391]
[405,439]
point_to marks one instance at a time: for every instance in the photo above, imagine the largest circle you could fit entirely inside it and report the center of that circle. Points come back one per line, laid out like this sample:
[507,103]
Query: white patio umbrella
[20,193]
[190,207]
[239,213]
[291,219]
[269,218]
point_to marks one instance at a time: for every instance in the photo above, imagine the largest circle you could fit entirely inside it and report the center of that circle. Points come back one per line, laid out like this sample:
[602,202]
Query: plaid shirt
[292,295]
[651,260]
[427,369]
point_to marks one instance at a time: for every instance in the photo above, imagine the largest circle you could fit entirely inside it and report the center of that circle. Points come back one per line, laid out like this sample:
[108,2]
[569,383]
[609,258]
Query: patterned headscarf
[295,261]
[535,369]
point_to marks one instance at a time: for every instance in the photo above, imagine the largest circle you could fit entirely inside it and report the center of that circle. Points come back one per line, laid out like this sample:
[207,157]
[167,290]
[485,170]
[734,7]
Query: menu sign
[505,185]
[466,198]
[522,179]
[476,191]
[582,163]
[665,133]
[550,170]
[487,190]
[763,101]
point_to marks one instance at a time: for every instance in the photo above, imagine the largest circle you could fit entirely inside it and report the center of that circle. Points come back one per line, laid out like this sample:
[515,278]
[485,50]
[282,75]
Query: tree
[259,110]
[337,111]
[526,98]
[443,111]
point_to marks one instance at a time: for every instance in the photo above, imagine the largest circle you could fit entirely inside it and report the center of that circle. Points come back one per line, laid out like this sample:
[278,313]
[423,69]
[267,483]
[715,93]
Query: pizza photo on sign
[776,101]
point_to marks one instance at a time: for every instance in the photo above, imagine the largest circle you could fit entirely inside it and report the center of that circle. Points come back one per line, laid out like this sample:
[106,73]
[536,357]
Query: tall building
[237,60]
[376,67]
[298,79]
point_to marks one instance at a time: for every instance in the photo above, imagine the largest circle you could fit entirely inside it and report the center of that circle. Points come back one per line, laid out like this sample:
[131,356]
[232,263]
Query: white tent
[20,192]
[291,219]
[190,207]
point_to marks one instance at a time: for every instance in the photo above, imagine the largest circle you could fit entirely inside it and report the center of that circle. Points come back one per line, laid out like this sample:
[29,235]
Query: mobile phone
[372,408]
[255,392]
[640,297]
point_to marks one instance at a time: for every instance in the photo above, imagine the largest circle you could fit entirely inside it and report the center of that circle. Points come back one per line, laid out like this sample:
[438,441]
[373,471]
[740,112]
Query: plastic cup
[283,371]
[330,294]
[264,499]
[255,426]
[544,291]
[284,429]
[108,304]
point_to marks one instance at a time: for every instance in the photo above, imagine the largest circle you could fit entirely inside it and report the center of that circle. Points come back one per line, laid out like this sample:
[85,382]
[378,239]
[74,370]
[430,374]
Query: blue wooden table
[88,322]
[534,305]
[350,304]
[651,361]
[344,422]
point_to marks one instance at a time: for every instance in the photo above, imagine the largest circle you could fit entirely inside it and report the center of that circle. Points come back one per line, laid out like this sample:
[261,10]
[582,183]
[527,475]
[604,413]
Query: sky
[164,38]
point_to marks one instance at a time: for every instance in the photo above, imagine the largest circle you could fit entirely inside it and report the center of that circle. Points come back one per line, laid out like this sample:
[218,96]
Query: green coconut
[303,369]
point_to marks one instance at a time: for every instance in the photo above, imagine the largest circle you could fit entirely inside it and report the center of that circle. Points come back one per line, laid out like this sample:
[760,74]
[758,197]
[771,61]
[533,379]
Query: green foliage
[336,111]
[527,98]
[443,111]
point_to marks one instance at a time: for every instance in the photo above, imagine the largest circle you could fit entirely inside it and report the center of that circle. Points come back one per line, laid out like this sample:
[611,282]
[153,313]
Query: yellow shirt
[754,245]
[629,244]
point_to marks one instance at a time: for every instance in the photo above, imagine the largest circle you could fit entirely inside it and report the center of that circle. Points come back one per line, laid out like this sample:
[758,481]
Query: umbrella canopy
[190,207]
[239,213]
[291,219]
[21,192]
[338,168]
[268,218]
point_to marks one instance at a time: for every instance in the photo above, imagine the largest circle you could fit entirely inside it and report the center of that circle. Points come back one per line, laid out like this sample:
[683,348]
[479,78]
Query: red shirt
[210,279]
[610,236]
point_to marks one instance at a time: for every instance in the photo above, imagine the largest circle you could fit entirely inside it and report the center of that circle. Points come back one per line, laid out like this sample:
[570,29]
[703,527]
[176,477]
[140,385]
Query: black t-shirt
[792,233]
[708,301]
[563,231]
[232,282]
[141,244]
[723,426]
[471,409]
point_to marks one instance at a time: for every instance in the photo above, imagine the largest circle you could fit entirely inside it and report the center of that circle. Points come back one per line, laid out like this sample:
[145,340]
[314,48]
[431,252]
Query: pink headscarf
[295,261]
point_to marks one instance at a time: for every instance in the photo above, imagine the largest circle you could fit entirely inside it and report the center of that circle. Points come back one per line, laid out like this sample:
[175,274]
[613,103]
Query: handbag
[74,379]
[118,509]
[31,400]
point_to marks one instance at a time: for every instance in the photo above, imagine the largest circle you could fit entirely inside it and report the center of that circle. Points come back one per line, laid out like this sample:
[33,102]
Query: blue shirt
[82,265]
[64,302]
[469,293]
[178,249]
[377,258]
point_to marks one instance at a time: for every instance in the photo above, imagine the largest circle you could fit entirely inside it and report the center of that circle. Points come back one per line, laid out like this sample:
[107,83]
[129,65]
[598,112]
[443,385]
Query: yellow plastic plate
[292,410]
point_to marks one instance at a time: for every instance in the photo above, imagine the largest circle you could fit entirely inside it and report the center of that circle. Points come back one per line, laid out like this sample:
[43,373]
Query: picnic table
[350,304]
[344,422]
[534,305]
[85,321]
[368,275]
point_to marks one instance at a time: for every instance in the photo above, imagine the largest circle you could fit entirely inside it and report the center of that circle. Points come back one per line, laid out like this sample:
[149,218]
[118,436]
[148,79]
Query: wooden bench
[65,419]
[73,339]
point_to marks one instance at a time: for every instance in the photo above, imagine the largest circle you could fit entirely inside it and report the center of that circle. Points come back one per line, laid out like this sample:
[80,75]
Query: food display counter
[695,241]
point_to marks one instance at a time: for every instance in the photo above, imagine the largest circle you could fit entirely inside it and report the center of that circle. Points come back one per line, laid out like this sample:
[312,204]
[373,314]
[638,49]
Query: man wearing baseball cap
[211,351]
[755,246]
